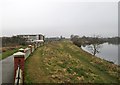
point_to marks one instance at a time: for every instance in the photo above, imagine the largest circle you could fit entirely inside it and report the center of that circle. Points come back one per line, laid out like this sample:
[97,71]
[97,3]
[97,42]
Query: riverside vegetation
[64,62]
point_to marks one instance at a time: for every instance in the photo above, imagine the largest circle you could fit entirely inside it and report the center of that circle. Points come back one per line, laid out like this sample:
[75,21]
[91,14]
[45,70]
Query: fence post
[19,60]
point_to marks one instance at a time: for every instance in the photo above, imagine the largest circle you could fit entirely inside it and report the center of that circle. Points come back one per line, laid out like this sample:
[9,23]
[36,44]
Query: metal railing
[18,77]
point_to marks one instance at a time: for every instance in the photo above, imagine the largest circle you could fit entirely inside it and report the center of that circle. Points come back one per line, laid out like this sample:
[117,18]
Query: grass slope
[63,62]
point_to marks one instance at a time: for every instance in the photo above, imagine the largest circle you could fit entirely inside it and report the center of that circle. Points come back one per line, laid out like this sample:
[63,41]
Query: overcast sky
[59,17]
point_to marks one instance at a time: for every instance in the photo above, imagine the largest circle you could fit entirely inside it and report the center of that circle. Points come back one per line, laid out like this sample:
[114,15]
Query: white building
[33,38]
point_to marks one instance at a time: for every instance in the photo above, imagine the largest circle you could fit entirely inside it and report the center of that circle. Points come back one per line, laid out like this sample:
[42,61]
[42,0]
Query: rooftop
[30,35]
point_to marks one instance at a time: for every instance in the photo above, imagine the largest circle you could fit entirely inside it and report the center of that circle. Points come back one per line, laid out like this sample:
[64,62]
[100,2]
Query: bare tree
[95,48]
[95,45]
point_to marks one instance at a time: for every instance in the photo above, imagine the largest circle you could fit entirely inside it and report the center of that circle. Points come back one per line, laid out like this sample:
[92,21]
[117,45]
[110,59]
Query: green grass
[63,62]
[10,52]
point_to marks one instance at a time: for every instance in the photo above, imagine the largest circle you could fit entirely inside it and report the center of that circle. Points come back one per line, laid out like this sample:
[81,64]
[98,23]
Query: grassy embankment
[63,62]
[9,51]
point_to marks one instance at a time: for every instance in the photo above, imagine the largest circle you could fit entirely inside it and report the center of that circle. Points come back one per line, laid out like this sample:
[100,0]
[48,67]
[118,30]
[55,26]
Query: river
[108,52]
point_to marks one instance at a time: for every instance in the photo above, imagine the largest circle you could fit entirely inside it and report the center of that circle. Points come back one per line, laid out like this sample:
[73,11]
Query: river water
[108,52]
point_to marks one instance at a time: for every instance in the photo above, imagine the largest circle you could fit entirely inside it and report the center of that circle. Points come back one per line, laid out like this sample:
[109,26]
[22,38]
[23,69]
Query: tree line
[13,41]
[95,39]
[93,42]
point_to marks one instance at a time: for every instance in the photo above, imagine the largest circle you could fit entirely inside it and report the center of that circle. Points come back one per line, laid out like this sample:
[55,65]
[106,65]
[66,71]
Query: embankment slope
[63,62]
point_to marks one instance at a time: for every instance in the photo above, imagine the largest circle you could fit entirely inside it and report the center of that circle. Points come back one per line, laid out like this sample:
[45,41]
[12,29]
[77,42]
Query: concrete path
[7,69]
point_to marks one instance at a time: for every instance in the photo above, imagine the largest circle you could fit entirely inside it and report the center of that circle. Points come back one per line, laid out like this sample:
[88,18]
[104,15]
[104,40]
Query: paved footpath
[7,70]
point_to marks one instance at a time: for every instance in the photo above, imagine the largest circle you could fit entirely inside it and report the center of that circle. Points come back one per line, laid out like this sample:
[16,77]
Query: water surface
[108,52]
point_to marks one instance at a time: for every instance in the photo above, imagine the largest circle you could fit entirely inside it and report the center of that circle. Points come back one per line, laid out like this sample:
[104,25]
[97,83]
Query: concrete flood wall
[27,52]
[19,60]
[33,49]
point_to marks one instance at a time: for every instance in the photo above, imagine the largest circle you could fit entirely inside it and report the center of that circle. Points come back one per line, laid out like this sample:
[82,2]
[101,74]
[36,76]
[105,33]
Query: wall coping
[19,54]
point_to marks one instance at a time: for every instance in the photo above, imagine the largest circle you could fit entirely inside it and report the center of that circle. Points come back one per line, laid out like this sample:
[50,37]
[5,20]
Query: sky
[59,17]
